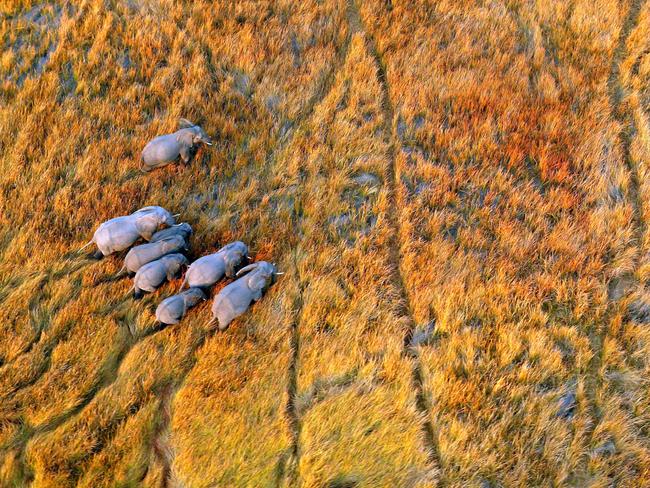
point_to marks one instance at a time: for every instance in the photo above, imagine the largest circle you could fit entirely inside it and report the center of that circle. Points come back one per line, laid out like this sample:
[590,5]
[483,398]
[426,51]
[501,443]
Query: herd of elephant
[161,259]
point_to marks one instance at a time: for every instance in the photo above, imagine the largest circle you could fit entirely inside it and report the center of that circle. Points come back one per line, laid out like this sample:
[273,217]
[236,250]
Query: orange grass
[471,177]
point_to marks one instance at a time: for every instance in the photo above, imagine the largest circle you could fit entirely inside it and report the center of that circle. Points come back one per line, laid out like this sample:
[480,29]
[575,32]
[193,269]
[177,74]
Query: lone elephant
[166,149]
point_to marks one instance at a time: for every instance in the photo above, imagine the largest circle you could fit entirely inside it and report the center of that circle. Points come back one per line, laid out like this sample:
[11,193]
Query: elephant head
[149,219]
[193,134]
[234,255]
[193,296]
[184,230]
[261,275]
[174,264]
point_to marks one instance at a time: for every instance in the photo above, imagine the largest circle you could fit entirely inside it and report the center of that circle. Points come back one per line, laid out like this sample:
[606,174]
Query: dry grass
[457,191]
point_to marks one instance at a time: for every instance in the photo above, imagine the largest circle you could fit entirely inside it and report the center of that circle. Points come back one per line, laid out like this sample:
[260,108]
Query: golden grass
[517,210]
[477,166]
[348,331]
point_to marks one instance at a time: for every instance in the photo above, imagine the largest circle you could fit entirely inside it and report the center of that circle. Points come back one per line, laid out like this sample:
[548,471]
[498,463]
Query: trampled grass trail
[429,435]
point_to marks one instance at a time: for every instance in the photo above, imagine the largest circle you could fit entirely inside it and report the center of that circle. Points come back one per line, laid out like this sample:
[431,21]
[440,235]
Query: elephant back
[206,271]
[145,253]
[184,230]
[171,310]
[150,276]
[116,235]
[231,302]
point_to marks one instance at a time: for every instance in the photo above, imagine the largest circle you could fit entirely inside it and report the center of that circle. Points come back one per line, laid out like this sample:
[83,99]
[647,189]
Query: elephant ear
[146,225]
[186,137]
[174,272]
[193,297]
[232,259]
[256,284]
[184,123]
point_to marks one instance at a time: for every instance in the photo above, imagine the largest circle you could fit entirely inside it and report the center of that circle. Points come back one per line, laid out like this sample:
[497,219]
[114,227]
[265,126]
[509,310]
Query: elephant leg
[186,155]
[97,255]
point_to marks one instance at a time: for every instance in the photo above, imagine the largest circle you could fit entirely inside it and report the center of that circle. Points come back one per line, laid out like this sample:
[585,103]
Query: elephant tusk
[281,273]
[85,246]
[129,291]
[246,269]
[176,215]
[209,143]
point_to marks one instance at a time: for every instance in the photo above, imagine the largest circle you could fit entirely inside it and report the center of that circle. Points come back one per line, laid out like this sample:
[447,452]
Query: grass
[457,192]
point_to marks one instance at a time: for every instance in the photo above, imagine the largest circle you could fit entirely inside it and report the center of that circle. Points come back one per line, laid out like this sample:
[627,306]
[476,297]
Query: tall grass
[456,191]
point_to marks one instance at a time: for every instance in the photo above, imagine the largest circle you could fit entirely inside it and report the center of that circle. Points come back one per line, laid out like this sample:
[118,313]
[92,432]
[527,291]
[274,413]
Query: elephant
[234,299]
[120,233]
[207,270]
[183,229]
[166,149]
[172,309]
[153,274]
[145,253]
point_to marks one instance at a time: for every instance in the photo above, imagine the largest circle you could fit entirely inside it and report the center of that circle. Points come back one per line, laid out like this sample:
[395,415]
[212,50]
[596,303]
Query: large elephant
[207,270]
[234,299]
[120,233]
[151,251]
[153,274]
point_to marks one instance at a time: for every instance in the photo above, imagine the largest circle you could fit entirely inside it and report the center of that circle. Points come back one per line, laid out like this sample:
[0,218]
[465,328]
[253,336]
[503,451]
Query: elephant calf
[166,149]
[152,275]
[120,233]
[234,299]
[207,270]
[183,229]
[171,310]
[145,253]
